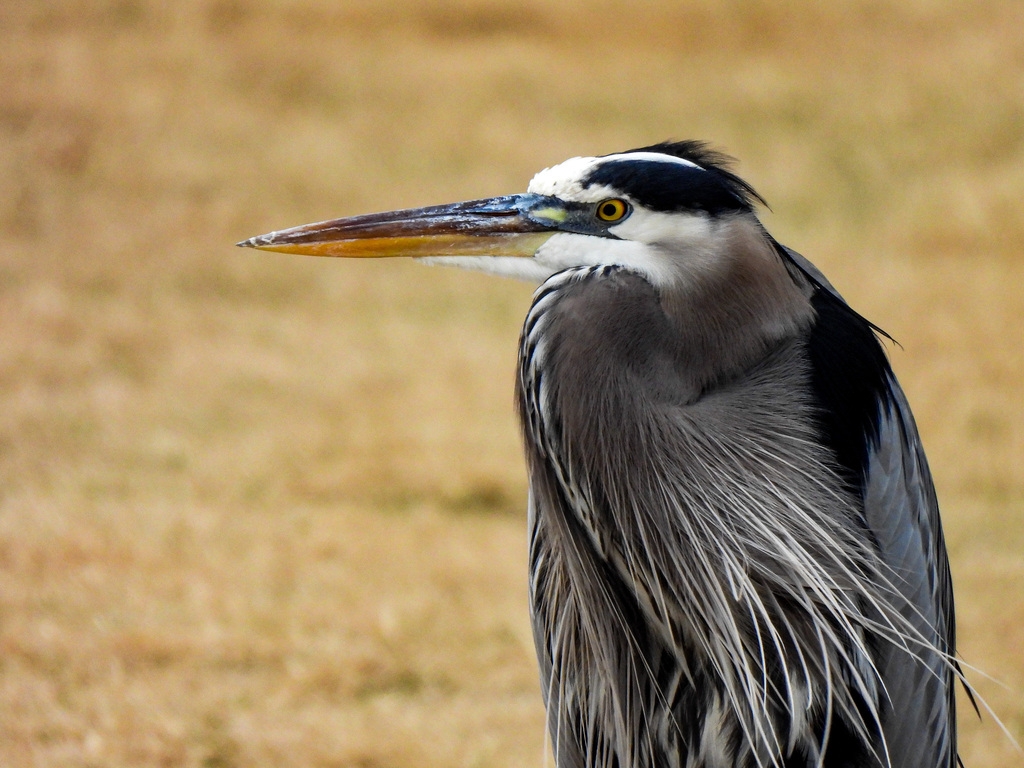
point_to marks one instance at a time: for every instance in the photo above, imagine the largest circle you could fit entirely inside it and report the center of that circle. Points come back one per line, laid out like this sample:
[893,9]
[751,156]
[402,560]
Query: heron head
[664,210]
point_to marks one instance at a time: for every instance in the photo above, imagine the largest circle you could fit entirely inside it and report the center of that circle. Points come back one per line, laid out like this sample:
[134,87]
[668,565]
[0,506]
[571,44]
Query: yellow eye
[612,209]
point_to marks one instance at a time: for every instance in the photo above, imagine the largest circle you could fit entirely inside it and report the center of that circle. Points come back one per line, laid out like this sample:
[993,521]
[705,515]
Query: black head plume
[710,187]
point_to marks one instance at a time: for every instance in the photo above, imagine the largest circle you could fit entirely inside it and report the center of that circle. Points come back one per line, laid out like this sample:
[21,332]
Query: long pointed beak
[514,225]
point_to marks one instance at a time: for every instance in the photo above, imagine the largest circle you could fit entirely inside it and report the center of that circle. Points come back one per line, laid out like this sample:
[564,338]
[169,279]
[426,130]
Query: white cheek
[655,228]
[566,249]
[680,244]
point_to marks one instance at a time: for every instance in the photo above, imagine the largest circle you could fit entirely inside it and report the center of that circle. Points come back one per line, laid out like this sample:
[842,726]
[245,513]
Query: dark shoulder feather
[850,376]
[851,379]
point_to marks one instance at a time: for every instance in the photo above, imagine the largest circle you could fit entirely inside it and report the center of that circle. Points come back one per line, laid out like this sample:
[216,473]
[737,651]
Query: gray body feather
[706,591]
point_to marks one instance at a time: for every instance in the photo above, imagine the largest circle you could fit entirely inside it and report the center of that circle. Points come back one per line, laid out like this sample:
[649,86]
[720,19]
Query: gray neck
[736,307]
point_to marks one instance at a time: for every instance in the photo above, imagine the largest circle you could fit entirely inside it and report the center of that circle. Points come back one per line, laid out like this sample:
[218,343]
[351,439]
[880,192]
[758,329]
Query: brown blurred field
[267,510]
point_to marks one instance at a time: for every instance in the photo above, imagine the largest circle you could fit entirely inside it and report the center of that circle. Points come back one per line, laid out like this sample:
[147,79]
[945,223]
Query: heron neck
[726,318]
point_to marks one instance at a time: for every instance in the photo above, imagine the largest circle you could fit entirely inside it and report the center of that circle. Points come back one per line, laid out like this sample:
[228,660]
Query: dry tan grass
[260,510]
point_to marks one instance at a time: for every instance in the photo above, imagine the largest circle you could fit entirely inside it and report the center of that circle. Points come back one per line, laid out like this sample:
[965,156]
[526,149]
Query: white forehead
[565,179]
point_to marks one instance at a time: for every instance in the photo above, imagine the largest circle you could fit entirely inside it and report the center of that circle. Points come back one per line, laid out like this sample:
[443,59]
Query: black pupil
[609,209]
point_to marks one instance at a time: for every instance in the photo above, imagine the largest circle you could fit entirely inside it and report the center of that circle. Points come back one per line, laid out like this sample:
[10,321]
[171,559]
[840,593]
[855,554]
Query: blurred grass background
[266,510]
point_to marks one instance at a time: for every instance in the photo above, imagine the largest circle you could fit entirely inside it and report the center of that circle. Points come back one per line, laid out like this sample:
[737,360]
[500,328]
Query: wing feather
[902,513]
[870,426]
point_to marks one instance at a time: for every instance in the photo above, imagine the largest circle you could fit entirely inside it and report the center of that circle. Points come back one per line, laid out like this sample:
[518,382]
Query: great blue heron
[735,551]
